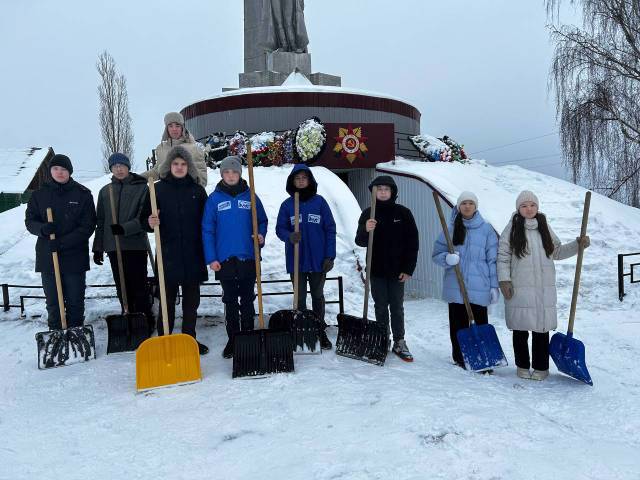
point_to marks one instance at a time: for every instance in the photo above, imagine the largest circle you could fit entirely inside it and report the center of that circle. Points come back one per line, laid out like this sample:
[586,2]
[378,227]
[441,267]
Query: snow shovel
[479,344]
[171,358]
[264,351]
[57,348]
[125,332]
[359,337]
[567,352]
[303,325]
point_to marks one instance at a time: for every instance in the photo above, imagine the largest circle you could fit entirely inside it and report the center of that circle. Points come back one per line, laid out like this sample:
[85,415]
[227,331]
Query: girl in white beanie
[527,275]
[476,245]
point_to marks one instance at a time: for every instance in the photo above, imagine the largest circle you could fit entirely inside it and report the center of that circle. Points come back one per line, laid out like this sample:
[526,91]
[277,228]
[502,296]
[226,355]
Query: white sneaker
[539,375]
[523,373]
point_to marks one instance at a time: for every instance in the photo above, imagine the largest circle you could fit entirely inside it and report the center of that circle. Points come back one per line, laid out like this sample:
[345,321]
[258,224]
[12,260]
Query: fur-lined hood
[179,151]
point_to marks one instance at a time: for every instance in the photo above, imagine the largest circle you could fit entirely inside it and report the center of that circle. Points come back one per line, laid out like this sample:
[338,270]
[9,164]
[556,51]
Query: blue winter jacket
[226,226]
[477,261]
[317,226]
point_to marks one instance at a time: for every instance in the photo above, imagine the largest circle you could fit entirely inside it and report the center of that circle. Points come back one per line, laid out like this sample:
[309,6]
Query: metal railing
[622,273]
[7,305]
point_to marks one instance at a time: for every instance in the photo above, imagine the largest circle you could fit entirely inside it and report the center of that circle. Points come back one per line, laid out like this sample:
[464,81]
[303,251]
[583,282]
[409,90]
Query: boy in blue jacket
[227,238]
[317,240]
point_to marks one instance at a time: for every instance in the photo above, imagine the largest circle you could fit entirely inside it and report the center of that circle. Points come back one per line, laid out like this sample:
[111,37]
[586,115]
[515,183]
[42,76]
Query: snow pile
[613,227]
[17,249]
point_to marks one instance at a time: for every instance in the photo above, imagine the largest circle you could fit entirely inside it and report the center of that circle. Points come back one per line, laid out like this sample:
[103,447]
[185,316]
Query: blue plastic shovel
[567,352]
[479,344]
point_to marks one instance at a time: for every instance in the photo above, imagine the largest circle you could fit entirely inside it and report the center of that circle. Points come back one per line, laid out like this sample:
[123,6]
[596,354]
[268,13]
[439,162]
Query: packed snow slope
[337,418]
[613,227]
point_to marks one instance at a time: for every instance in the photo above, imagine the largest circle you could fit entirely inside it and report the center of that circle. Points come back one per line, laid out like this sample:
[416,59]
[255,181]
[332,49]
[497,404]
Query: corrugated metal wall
[358,181]
[417,196]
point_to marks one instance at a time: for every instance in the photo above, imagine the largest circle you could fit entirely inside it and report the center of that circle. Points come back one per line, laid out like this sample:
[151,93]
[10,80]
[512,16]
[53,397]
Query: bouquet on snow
[439,149]
[310,140]
[237,144]
[457,151]
[287,147]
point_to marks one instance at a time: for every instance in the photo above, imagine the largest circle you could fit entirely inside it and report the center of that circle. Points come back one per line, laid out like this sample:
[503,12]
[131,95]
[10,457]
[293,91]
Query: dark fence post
[5,297]
[620,276]
[340,294]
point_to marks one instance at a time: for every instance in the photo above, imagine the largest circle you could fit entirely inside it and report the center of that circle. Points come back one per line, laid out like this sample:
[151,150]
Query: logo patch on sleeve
[312,218]
[224,206]
[245,205]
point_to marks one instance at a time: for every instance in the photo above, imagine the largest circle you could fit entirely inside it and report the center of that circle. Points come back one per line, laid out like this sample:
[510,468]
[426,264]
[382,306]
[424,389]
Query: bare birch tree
[595,76]
[115,121]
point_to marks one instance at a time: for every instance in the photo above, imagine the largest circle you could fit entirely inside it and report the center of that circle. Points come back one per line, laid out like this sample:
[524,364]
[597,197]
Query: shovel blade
[480,348]
[303,326]
[58,348]
[126,332]
[362,339]
[167,360]
[262,352]
[568,355]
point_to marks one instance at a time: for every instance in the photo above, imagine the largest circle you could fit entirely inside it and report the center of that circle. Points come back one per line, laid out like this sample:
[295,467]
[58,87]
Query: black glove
[54,245]
[294,237]
[98,258]
[327,265]
[48,228]
[117,229]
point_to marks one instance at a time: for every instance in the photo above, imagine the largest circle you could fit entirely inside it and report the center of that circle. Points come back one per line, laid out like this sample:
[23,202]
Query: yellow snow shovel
[171,358]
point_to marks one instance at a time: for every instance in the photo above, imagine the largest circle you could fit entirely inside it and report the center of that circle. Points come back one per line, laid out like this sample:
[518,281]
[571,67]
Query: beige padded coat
[187,141]
[533,305]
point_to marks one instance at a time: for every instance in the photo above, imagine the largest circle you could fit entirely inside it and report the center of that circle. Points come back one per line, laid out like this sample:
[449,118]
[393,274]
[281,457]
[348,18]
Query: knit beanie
[173,117]
[233,163]
[120,158]
[61,161]
[526,196]
[467,197]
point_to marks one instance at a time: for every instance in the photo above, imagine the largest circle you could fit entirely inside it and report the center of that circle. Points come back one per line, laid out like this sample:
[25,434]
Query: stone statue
[282,26]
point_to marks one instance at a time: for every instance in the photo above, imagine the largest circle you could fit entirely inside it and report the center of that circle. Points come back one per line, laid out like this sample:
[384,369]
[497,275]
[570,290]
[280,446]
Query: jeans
[73,287]
[316,285]
[388,297]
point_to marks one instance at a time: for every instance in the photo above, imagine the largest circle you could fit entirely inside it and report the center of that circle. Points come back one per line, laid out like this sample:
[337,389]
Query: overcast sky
[476,69]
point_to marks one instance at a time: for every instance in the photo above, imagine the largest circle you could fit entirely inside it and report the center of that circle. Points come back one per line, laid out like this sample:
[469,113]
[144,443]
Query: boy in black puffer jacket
[394,257]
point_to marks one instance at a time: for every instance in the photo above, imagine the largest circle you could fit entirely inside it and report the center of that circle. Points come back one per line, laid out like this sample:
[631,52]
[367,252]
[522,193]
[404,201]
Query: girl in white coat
[527,278]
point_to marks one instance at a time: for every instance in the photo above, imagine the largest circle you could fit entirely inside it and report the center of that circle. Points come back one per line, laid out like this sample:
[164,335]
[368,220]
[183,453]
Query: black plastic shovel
[303,325]
[359,337]
[125,332]
[57,348]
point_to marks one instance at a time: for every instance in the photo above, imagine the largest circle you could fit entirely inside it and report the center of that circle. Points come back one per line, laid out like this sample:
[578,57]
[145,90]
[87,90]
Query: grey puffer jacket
[129,195]
[533,305]
[187,141]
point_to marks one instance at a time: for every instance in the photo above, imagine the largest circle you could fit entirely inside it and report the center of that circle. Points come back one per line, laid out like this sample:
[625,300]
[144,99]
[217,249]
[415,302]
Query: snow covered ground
[335,417]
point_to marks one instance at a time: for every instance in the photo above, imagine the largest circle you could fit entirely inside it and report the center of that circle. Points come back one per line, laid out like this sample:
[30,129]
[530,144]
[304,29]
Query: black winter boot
[228,349]
[325,343]
[202,349]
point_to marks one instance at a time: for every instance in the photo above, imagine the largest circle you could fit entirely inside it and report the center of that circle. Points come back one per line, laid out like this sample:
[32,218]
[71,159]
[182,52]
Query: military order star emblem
[350,143]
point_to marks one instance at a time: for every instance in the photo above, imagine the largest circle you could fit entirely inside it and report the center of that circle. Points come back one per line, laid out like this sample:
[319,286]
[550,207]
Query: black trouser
[73,287]
[232,289]
[190,304]
[458,319]
[539,349]
[316,285]
[134,263]
[388,297]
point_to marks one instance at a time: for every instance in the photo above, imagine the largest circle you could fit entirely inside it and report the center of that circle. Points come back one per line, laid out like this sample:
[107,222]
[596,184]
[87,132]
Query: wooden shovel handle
[463,288]
[576,279]
[254,223]
[367,278]
[56,272]
[296,250]
[114,219]
[156,231]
